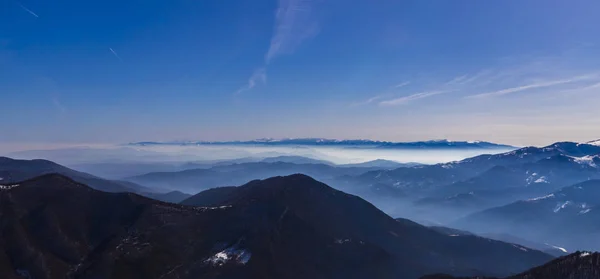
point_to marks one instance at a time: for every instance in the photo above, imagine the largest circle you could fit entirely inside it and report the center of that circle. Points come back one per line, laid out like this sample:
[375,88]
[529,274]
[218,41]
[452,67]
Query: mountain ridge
[13,170]
[447,190]
[567,216]
[334,142]
[343,218]
[284,227]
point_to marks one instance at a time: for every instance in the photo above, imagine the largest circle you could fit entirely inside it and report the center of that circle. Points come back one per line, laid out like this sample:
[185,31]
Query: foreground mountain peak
[282,227]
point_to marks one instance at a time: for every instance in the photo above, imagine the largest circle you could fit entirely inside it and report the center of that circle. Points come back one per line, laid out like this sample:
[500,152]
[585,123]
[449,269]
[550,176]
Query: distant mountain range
[282,227]
[172,197]
[481,194]
[120,170]
[190,177]
[513,175]
[432,144]
[195,180]
[568,216]
[506,183]
[546,248]
[12,170]
[432,192]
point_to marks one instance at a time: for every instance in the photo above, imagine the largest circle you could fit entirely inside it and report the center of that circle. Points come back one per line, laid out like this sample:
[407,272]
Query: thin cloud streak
[593,86]
[369,101]
[294,23]
[259,76]
[457,80]
[474,78]
[402,84]
[530,86]
[28,10]
[381,96]
[58,105]
[410,98]
[375,99]
[580,90]
[467,79]
[115,54]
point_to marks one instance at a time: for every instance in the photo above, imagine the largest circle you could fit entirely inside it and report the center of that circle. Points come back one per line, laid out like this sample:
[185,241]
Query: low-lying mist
[337,155]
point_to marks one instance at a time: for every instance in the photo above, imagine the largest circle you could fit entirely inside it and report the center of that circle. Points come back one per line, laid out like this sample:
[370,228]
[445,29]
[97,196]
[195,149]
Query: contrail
[115,54]
[28,10]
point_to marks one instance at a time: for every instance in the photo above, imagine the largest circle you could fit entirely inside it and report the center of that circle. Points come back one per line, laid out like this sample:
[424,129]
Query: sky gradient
[100,72]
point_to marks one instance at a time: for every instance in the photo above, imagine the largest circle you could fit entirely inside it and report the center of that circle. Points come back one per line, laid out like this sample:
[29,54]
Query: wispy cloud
[468,79]
[294,23]
[457,80]
[58,105]
[409,98]
[532,86]
[380,96]
[27,10]
[402,84]
[458,83]
[370,100]
[476,77]
[593,86]
[115,54]
[571,92]
[259,76]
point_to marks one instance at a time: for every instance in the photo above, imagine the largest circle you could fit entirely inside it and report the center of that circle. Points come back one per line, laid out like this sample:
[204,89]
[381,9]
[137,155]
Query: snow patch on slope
[535,178]
[520,248]
[587,160]
[8,187]
[542,198]
[208,208]
[342,241]
[229,255]
[561,206]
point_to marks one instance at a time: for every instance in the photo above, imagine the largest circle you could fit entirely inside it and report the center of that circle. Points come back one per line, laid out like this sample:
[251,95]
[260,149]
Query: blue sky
[516,72]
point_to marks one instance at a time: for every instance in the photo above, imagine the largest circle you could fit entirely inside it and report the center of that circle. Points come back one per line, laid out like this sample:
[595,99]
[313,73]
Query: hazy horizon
[7,147]
[175,153]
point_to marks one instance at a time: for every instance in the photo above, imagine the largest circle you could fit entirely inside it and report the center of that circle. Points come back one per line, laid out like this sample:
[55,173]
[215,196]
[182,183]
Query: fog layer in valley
[337,155]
